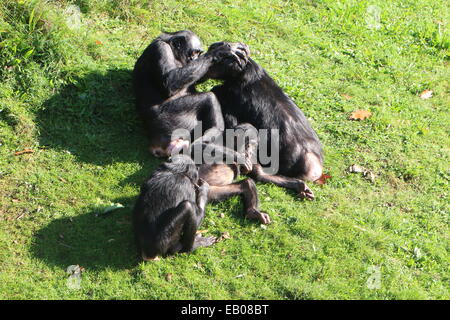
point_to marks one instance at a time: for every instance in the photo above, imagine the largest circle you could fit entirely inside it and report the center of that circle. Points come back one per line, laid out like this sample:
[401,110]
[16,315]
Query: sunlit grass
[65,92]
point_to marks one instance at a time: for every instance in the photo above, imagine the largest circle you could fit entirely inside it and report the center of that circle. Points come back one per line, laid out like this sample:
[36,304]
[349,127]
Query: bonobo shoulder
[160,48]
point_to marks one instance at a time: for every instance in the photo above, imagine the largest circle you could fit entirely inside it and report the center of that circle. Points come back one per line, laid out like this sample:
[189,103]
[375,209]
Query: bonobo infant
[170,208]
[172,202]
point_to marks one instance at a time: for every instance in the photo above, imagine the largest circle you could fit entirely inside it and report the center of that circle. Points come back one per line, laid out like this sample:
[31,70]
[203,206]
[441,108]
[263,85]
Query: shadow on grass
[94,119]
[92,240]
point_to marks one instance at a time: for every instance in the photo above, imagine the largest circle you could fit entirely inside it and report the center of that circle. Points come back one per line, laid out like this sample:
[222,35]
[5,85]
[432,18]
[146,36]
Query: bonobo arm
[175,78]
[212,144]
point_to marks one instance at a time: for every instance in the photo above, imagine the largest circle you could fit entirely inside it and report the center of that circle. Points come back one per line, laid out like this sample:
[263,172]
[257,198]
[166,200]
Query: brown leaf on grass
[98,42]
[360,115]
[426,94]
[27,150]
[346,96]
[202,231]
[323,179]
[169,277]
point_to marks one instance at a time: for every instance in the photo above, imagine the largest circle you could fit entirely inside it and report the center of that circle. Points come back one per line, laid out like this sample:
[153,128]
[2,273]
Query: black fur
[249,94]
[164,79]
[170,208]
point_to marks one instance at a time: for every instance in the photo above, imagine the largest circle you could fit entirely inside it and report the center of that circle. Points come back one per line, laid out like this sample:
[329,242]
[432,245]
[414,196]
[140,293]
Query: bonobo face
[186,46]
[233,58]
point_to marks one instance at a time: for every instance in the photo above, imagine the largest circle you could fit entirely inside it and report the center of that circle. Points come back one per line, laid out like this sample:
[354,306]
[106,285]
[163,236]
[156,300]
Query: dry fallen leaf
[426,94]
[354,168]
[323,179]
[367,174]
[27,150]
[169,277]
[98,42]
[226,235]
[346,96]
[360,115]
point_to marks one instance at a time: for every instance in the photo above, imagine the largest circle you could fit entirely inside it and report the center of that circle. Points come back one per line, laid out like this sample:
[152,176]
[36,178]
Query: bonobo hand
[203,188]
[238,51]
[202,193]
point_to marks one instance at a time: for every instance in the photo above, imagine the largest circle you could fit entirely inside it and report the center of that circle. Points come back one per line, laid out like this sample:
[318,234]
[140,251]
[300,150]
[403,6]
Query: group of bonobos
[171,204]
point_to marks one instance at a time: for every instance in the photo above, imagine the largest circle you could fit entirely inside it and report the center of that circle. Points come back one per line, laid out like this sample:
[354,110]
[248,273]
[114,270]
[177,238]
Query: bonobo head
[185,44]
[233,58]
[182,164]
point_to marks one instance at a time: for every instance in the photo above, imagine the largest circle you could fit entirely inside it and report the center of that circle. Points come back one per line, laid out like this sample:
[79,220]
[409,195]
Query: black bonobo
[220,166]
[170,208]
[248,94]
[171,205]
[164,79]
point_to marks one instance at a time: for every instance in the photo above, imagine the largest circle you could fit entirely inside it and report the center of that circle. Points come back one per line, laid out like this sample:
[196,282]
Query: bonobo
[171,205]
[225,164]
[170,208]
[164,79]
[250,95]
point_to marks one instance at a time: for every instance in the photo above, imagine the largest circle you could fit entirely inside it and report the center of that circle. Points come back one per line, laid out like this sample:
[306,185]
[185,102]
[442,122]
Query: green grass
[65,93]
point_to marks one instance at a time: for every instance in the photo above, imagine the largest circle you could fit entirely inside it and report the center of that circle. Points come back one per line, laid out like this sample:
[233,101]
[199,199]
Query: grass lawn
[65,93]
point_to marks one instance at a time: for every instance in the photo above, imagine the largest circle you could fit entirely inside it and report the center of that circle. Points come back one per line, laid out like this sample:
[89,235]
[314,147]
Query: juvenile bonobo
[164,79]
[171,205]
[220,166]
[170,208]
[250,95]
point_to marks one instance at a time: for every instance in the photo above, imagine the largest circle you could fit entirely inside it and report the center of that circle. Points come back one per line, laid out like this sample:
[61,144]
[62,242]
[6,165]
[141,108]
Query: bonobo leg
[246,143]
[247,189]
[189,239]
[286,182]
[176,231]
[186,111]
[210,149]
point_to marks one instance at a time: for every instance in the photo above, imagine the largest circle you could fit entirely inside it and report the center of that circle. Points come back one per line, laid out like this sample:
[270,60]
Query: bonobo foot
[258,215]
[203,241]
[304,191]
